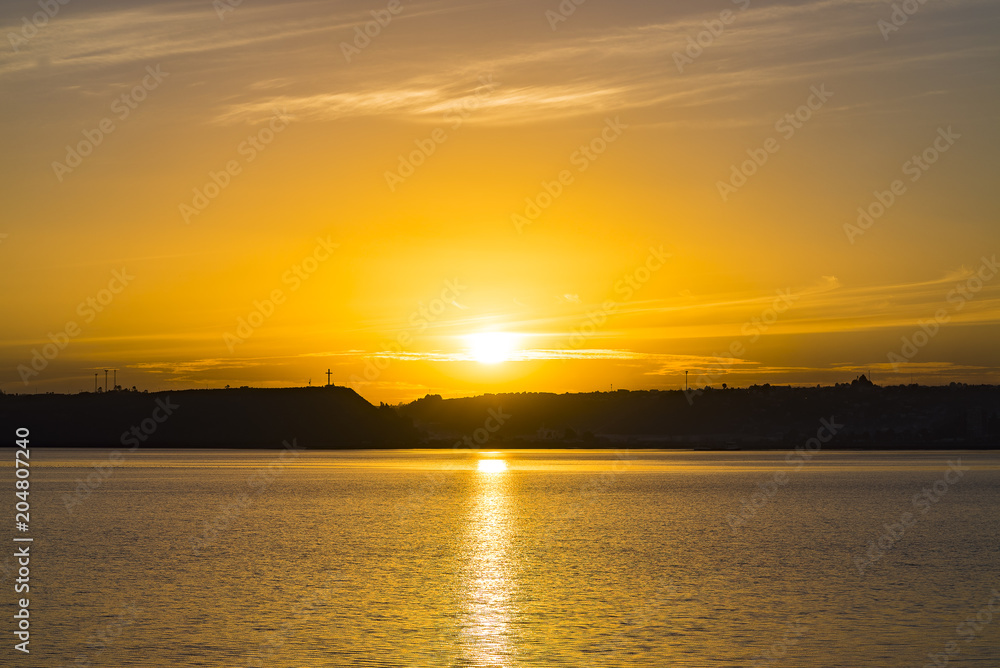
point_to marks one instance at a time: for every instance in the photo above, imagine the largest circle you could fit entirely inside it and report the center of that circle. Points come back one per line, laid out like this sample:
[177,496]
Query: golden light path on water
[566,558]
[488,580]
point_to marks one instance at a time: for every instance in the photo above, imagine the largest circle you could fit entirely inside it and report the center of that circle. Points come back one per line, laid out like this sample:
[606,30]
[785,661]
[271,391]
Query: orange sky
[626,194]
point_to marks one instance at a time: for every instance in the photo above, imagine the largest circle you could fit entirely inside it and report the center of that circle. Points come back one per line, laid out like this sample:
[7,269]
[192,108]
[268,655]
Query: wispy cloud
[627,66]
[633,67]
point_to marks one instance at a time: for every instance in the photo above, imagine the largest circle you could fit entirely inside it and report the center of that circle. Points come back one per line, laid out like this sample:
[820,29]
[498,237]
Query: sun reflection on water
[486,634]
[492,465]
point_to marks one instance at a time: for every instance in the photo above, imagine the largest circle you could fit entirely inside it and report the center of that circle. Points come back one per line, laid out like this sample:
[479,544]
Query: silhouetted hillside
[324,417]
[760,416]
[959,416]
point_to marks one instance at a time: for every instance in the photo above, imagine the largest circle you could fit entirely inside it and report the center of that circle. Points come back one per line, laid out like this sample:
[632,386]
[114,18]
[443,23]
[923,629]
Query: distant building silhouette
[862,383]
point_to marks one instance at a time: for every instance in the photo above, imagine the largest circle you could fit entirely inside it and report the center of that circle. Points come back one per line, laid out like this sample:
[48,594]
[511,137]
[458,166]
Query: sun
[492,465]
[492,347]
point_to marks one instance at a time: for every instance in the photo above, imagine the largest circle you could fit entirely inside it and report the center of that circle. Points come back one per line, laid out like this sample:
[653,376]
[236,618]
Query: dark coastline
[847,416]
[322,418]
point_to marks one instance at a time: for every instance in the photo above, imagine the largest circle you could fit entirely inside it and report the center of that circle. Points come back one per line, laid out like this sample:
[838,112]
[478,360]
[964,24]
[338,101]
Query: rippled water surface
[554,558]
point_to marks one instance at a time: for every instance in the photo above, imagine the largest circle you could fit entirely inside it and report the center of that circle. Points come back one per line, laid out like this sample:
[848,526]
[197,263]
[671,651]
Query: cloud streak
[627,67]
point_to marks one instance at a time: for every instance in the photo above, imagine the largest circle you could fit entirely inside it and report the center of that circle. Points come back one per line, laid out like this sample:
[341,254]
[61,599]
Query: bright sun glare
[492,465]
[492,347]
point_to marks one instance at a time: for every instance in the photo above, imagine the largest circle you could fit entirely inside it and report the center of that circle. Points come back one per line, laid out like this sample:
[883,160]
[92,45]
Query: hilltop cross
[328,372]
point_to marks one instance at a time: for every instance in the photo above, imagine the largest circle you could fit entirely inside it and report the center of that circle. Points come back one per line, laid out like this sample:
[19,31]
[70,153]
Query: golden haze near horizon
[498,196]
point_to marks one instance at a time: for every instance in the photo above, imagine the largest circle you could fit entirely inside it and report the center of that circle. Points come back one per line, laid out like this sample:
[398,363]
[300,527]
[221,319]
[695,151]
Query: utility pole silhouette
[114,384]
[95,382]
[105,380]
[328,373]
[685,381]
